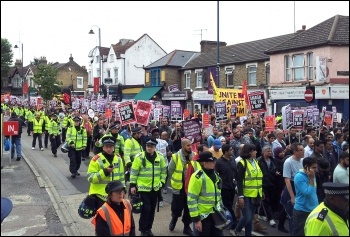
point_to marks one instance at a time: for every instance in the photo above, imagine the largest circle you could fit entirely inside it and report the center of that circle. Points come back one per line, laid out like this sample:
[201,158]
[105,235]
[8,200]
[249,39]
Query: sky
[57,29]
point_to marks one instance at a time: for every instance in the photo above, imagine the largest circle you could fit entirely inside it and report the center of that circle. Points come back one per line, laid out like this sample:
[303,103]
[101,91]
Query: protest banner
[176,111]
[108,113]
[126,113]
[233,111]
[257,101]
[192,130]
[328,119]
[316,118]
[205,120]
[334,110]
[157,112]
[298,119]
[142,113]
[220,110]
[287,118]
[270,123]
[232,96]
[187,114]
[166,111]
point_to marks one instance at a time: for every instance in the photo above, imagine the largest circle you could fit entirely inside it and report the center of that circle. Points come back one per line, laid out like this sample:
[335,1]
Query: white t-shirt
[161,147]
[341,175]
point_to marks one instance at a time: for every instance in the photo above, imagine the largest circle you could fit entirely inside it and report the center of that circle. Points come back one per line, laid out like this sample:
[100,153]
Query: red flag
[245,93]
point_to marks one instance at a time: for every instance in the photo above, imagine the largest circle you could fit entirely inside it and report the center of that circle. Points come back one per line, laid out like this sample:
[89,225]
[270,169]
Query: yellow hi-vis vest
[202,192]
[176,178]
[38,125]
[252,186]
[131,149]
[148,176]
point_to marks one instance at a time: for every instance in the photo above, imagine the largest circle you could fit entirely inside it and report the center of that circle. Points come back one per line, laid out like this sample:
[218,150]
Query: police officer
[132,146]
[54,131]
[29,116]
[177,170]
[330,217]
[76,138]
[147,177]
[204,195]
[113,130]
[115,218]
[103,168]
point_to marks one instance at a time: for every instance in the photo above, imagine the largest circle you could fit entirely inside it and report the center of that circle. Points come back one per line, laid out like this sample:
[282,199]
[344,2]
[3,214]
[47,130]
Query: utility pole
[218,48]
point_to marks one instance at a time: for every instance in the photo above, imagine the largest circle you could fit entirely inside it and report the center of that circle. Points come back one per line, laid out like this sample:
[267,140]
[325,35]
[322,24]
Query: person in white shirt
[309,149]
[341,172]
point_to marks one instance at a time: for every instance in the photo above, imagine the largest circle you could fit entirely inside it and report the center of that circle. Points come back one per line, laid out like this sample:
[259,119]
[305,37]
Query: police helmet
[87,208]
[137,204]
[223,219]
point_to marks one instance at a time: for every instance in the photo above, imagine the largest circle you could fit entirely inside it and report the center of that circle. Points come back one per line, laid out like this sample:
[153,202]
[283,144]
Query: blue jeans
[246,220]
[16,142]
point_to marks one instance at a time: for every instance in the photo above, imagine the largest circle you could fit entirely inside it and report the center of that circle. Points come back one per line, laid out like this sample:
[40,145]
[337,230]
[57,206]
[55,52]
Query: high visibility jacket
[20,112]
[202,192]
[146,175]
[177,177]
[322,221]
[47,122]
[78,138]
[54,128]
[29,116]
[38,125]
[119,145]
[131,149]
[252,186]
[67,121]
[97,177]
[116,226]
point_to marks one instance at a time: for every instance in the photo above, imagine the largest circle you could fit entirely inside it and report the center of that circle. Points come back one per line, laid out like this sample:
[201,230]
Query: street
[46,198]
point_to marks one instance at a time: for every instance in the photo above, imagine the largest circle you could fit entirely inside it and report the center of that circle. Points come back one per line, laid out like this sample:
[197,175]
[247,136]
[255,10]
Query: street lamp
[99,49]
[23,79]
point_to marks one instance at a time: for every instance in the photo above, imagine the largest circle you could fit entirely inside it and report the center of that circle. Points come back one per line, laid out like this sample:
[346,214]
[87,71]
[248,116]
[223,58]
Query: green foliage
[6,58]
[46,77]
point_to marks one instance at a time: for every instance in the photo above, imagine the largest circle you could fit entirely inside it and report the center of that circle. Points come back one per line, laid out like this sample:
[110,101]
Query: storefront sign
[340,92]
[287,93]
[202,95]
[177,95]
[322,92]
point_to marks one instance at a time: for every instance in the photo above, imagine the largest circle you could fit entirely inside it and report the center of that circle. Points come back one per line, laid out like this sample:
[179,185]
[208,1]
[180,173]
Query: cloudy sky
[58,29]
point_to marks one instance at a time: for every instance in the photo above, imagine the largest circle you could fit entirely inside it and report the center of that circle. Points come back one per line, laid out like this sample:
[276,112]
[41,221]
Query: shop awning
[147,93]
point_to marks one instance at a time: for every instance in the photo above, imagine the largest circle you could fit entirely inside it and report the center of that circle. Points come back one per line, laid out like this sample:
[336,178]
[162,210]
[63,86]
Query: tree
[46,77]
[6,58]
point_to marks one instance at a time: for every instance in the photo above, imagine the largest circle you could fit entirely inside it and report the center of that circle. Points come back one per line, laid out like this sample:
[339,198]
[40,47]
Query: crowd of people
[251,173]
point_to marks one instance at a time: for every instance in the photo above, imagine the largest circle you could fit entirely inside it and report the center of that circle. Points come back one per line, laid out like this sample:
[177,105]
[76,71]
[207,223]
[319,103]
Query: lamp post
[23,79]
[99,48]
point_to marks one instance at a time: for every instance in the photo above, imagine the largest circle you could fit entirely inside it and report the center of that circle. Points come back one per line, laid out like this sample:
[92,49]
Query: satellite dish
[91,113]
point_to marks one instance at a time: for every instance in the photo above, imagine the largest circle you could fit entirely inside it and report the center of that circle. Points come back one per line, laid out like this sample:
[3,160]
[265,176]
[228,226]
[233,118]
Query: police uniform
[98,175]
[37,131]
[77,136]
[132,147]
[119,145]
[148,173]
[204,196]
[324,221]
[54,132]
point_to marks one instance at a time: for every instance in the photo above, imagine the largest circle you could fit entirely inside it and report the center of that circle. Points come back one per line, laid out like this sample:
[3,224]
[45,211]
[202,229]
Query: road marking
[22,231]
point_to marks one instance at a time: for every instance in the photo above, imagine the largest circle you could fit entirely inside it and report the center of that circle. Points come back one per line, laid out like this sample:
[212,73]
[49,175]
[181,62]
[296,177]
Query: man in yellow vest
[177,170]
[103,168]
[147,177]
[29,116]
[54,132]
[330,217]
[37,131]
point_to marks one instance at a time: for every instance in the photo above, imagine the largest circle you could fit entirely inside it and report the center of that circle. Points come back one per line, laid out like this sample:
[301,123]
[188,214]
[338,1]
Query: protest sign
[232,96]
[270,123]
[298,119]
[287,118]
[257,101]
[108,113]
[205,120]
[142,113]
[328,119]
[176,111]
[220,110]
[192,130]
[157,112]
[187,114]
[334,111]
[166,111]
[233,111]
[316,118]
[126,113]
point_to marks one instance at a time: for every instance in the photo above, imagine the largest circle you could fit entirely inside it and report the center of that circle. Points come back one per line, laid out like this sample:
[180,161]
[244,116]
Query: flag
[213,85]
[245,93]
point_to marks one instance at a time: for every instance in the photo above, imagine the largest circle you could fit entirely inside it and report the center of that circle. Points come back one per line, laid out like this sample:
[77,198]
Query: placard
[205,120]
[270,123]
[142,112]
[192,130]
[220,110]
[166,111]
[334,110]
[316,118]
[176,111]
[232,96]
[126,113]
[233,111]
[298,119]
[287,118]
[257,101]
[328,120]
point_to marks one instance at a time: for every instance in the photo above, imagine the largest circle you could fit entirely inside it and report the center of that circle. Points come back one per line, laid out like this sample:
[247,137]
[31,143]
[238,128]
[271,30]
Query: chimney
[42,60]
[207,45]
[18,63]
[303,28]
[83,67]
[71,58]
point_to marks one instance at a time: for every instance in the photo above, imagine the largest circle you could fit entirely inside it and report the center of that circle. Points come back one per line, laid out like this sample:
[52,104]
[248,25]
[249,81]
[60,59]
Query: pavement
[46,198]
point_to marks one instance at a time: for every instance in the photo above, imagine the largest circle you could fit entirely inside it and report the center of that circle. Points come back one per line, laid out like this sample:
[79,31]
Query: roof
[120,48]
[57,64]
[334,31]
[238,53]
[177,58]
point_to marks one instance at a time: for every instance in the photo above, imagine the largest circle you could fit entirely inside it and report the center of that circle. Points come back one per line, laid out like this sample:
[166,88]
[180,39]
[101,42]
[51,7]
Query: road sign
[11,128]
[308,95]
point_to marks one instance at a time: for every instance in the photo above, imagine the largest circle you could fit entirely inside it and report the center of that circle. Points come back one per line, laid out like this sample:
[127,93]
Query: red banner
[205,120]
[96,85]
[270,123]
[25,87]
[142,112]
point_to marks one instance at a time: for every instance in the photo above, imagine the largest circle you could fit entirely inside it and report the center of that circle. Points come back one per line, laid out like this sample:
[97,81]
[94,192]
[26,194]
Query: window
[155,77]
[288,67]
[17,82]
[116,75]
[252,75]
[310,66]
[111,58]
[229,75]
[90,78]
[187,79]
[199,78]
[108,73]
[298,67]
[267,73]
[98,71]
[97,59]
[80,82]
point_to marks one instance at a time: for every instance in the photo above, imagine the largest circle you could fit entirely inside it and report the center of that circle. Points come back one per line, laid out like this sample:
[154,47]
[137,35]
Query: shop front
[180,96]
[201,100]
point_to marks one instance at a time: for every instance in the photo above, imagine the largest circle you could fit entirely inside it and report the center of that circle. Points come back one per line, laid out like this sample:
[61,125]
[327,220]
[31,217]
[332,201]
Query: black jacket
[269,173]
[227,171]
